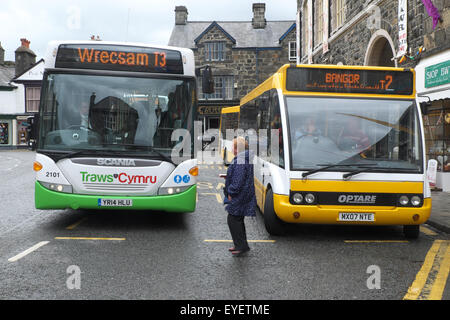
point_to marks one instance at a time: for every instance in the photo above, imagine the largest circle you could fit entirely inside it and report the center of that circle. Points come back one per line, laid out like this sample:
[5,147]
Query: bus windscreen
[330,80]
[119,58]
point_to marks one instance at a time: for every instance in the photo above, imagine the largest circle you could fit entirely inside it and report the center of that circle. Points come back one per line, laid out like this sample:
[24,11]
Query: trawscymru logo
[122,178]
[355,198]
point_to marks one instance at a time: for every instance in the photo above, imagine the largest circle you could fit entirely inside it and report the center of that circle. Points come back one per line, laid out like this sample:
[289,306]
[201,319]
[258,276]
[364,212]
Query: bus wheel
[273,224]
[411,232]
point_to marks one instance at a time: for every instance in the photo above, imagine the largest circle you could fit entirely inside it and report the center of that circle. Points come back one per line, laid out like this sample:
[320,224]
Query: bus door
[263,146]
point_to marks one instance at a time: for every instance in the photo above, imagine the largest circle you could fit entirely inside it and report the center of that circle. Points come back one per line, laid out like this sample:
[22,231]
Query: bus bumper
[46,199]
[321,214]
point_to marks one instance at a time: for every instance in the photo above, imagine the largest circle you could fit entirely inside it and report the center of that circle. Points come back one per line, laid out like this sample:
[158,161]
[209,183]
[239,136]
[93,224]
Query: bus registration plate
[356,216]
[115,202]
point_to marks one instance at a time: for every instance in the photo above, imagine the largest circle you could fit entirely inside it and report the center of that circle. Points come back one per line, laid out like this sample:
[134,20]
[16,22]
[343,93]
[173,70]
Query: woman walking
[240,197]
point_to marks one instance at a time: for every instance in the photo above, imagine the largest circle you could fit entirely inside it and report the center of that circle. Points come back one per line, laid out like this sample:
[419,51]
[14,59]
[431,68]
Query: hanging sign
[402,27]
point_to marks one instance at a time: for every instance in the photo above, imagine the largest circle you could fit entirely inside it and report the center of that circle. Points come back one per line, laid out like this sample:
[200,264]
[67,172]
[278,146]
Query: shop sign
[431,172]
[209,110]
[437,75]
[402,27]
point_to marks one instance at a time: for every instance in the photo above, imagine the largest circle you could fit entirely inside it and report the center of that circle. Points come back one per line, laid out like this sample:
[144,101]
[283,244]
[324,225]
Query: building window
[215,51]
[318,16]
[338,13]
[33,95]
[223,88]
[292,51]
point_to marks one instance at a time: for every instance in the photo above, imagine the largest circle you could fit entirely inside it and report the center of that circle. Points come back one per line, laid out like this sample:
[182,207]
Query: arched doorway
[380,51]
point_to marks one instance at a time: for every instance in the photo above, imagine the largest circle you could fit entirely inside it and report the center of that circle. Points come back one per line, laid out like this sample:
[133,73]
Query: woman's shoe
[232,249]
[237,253]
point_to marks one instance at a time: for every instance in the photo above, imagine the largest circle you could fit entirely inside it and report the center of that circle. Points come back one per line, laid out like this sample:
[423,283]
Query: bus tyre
[411,232]
[273,224]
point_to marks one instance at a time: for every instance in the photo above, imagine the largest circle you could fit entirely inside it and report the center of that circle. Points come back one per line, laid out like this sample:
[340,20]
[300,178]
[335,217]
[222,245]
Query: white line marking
[28,251]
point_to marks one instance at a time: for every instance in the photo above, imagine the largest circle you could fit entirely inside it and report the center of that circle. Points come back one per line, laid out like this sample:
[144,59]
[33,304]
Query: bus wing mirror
[424,107]
[207,81]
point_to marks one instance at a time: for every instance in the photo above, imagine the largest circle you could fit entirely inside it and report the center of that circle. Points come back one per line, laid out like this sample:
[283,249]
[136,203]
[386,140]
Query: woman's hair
[241,143]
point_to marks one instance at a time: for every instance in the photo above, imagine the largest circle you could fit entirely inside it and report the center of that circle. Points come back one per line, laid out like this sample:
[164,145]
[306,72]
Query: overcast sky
[149,21]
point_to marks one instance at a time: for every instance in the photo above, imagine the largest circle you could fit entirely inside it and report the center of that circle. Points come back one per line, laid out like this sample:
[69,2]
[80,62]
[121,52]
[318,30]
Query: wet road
[68,254]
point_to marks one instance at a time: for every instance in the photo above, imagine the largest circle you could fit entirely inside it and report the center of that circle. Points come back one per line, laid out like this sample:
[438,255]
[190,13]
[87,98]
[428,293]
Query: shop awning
[433,77]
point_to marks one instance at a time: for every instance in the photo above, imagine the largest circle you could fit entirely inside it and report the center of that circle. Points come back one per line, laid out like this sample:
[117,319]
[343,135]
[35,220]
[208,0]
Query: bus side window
[264,125]
[275,124]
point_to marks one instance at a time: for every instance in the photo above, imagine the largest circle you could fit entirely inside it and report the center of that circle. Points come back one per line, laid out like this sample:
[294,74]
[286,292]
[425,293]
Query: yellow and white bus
[351,147]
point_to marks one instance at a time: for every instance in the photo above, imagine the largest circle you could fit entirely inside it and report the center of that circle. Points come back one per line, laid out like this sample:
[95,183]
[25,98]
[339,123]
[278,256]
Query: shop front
[5,133]
[208,112]
[209,116]
[433,92]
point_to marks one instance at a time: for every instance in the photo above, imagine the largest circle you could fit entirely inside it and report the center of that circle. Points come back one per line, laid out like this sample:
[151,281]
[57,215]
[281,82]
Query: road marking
[218,197]
[28,251]
[86,238]
[441,279]
[431,279]
[427,231]
[220,186]
[254,241]
[376,241]
[76,224]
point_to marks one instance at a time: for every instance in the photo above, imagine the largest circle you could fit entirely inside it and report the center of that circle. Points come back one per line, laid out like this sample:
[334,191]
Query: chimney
[259,19]
[2,54]
[25,58]
[181,15]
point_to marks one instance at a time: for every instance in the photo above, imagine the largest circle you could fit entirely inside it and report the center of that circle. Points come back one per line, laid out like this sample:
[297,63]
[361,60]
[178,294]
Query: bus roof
[54,46]
[230,109]
[278,81]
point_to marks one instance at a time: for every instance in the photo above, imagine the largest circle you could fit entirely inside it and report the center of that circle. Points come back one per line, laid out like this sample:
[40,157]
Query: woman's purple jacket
[240,186]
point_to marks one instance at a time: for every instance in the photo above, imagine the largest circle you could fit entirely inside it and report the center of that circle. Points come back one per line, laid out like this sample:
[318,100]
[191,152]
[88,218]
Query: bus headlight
[416,201]
[403,200]
[172,190]
[310,198]
[57,187]
[297,198]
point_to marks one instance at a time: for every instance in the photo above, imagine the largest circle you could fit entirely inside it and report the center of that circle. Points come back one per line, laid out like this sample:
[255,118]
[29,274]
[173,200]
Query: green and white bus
[105,127]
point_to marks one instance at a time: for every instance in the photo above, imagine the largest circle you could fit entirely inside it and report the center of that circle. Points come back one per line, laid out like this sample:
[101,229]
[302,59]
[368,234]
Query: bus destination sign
[330,80]
[119,58]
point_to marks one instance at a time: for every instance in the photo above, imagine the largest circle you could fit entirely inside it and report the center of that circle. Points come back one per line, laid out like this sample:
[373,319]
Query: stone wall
[349,43]
[249,66]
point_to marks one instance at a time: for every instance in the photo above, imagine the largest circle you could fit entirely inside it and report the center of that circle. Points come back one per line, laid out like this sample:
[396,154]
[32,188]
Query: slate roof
[241,31]
[6,75]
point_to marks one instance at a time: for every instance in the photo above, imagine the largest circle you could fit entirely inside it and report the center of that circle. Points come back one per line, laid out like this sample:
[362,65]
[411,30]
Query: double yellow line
[432,277]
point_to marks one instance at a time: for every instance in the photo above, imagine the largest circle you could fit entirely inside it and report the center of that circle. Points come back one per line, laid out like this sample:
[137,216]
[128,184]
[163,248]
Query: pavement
[440,212]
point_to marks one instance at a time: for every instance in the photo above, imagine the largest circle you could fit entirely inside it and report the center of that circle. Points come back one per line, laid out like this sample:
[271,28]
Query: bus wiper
[141,147]
[346,176]
[328,166]
[76,153]
[150,148]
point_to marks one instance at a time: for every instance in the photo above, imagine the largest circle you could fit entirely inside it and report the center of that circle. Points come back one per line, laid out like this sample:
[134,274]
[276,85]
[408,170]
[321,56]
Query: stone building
[20,87]
[397,33]
[242,54]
